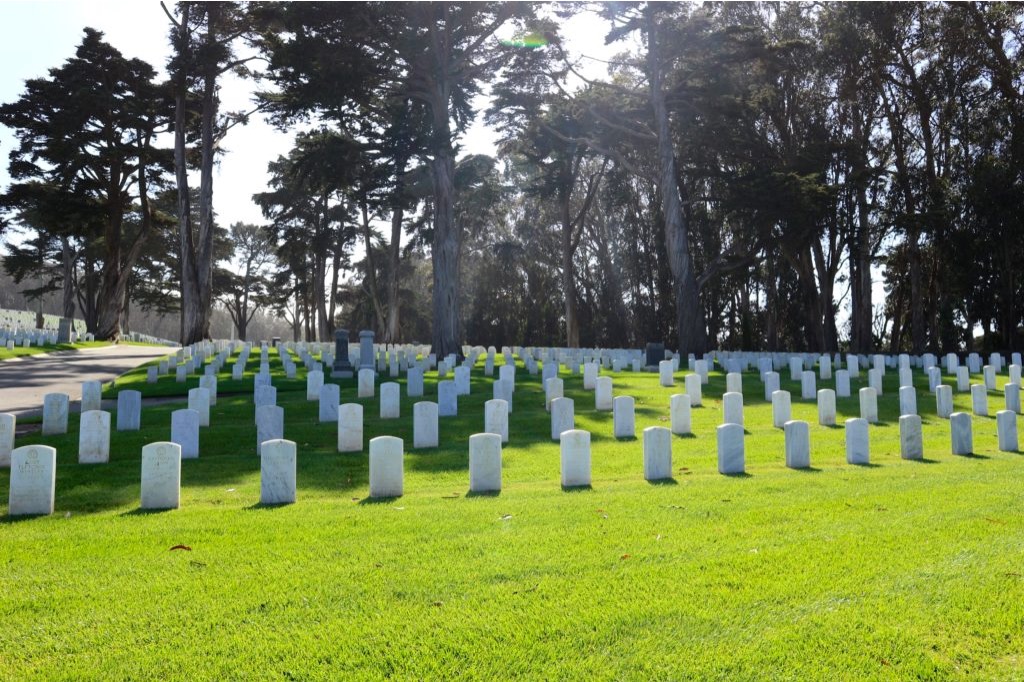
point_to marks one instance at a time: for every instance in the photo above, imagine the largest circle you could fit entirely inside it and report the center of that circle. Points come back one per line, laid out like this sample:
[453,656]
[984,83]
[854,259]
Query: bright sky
[36,36]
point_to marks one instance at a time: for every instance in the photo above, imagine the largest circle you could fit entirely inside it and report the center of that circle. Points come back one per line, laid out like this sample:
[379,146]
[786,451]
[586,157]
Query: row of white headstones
[94,433]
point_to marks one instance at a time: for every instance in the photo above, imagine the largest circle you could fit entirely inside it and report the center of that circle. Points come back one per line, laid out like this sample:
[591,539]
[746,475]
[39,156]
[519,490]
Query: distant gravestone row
[161,461]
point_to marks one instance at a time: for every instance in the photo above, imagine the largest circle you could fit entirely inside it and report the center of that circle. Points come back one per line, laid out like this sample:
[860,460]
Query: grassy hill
[897,570]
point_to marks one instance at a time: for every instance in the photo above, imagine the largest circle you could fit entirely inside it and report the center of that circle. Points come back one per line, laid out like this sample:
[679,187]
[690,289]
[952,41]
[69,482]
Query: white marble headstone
[161,476]
[623,417]
[33,480]
[424,424]
[350,427]
[657,453]
[185,432]
[386,466]
[496,418]
[484,462]
[277,472]
[575,457]
[94,437]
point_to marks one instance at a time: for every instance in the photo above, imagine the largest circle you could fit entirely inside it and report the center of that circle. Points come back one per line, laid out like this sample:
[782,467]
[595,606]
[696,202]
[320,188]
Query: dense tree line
[742,176]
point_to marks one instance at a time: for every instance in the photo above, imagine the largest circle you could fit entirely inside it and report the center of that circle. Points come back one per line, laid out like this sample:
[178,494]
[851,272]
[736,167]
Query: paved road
[24,381]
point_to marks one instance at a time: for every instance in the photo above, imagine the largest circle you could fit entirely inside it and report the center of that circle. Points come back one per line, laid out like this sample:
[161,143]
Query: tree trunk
[689,314]
[197,252]
[68,266]
[572,322]
[392,328]
[445,249]
[371,267]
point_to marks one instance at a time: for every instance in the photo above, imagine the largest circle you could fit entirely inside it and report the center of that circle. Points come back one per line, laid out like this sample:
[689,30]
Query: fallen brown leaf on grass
[184,547]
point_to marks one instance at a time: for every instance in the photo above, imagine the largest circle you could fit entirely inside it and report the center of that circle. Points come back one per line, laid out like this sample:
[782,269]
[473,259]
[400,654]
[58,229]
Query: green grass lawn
[898,570]
[18,351]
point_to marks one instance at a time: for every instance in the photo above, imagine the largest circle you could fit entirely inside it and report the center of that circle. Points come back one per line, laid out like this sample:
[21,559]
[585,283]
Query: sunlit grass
[898,570]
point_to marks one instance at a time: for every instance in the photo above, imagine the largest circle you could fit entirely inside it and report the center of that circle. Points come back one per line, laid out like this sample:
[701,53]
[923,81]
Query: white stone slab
[908,400]
[277,472]
[94,437]
[782,408]
[665,377]
[55,413]
[693,389]
[869,404]
[350,427]
[875,376]
[603,394]
[553,388]
[944,401]
[1006,429]
[798,444]
[496,418]
[199,401]
[185,432]
[562,417]
[447,399]
[771,384]
[623,417]
[129,411]
[1011,397]
[484,463]
[92,396]
[979,400]
[424,424]
[734,382]
[366,380]
[390,400]
[808,385]
[730,449]
[842,384]
[7,424]
[33,480]
[732,408]
[269,425]
[911,440]
[858,445]
[462,385]
[827,407]
[330,398]
[963,380]
[314,382]
[680,419]
[414,382]
[386,466]
[574,446]
[161,476]
[961,433]
[504,389]
[657,453]
[209,382]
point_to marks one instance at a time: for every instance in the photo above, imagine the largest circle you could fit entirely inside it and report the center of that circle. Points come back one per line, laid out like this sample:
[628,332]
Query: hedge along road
[24,381]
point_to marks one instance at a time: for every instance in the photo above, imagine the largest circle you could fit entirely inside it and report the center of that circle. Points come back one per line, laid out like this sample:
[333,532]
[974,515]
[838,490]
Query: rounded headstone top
[366,334]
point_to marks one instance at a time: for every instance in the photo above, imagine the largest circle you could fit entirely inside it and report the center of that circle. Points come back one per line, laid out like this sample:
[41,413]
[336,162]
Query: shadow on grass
[483,493]
[139,511]
[263,506]
[663,481]
[379,500]
[11,520]
[808,470]
[925,460]
[739,474]
[684,435]
[577,488]
[974,455]
[865,465]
